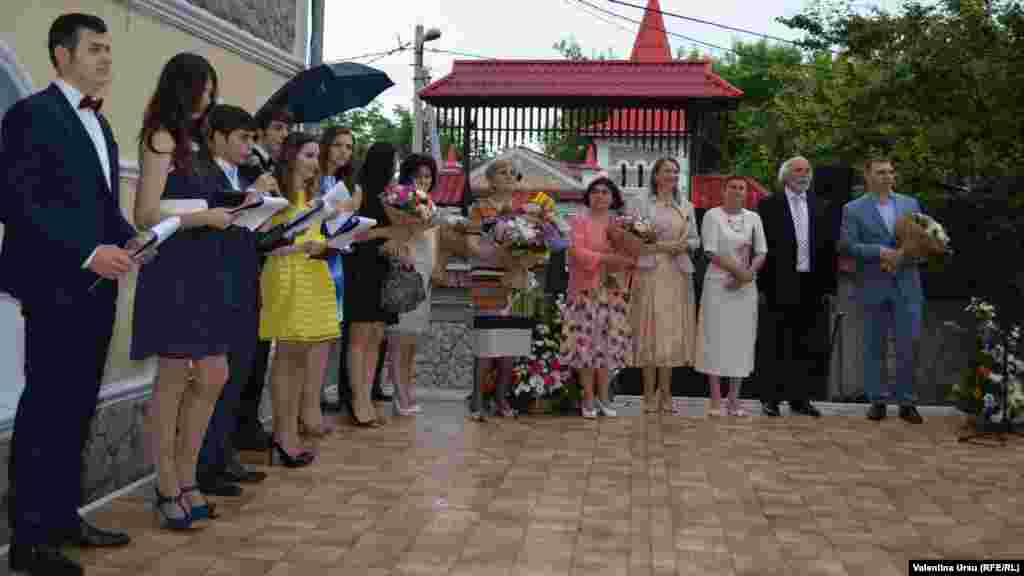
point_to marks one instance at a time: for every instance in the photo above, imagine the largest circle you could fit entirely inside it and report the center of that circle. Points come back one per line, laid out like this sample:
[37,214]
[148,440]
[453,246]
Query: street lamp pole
[419,81]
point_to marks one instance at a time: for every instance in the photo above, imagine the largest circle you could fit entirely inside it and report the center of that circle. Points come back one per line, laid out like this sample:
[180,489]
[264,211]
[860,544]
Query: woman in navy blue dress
[181,301]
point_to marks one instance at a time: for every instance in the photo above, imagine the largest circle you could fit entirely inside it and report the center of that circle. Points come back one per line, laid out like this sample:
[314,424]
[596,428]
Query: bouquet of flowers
[921,237]
[542,374]
[405,205]
[631,232]
[980,389]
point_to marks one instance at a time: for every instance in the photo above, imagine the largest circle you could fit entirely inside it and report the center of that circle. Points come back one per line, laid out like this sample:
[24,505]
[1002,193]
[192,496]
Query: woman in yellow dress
[299,307]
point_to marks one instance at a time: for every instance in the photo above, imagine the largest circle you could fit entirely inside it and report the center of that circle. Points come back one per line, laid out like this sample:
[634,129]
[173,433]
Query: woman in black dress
[365,271]
[181,301]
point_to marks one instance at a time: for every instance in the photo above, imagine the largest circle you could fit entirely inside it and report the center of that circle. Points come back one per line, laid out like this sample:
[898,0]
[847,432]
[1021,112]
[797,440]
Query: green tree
[941,87]
[371,124]
[564,144]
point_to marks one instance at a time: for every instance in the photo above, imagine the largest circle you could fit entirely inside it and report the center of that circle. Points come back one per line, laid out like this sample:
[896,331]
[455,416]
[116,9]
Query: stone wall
[115,455]
[446,360]
[270,20]
[113,458]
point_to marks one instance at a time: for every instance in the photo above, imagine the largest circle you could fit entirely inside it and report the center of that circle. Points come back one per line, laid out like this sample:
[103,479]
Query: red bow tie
[92,103]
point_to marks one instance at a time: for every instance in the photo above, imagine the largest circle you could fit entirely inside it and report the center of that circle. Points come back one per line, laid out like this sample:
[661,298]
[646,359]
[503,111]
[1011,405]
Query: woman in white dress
[727,322]
[420,170]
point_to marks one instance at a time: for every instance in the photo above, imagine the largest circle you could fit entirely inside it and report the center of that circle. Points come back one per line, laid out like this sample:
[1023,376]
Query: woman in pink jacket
[597,334]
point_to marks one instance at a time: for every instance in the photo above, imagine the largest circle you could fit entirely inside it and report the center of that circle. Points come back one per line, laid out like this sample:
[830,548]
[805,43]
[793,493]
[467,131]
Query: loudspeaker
[834,184]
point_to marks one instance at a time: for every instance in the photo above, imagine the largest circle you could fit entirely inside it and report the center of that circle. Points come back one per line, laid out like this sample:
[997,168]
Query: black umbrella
[328,89]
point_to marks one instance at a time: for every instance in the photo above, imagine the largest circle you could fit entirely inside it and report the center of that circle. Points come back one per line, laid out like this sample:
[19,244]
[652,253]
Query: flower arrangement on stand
[979,392]
[540,382]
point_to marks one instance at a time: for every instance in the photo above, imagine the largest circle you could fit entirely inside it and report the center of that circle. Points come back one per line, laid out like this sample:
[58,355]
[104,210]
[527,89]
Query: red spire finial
[591,156]
[651,43]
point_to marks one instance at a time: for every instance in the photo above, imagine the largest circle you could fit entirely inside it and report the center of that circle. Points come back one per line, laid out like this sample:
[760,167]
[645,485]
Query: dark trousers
[248,412]
[49,435]
[795,347]
[216,449]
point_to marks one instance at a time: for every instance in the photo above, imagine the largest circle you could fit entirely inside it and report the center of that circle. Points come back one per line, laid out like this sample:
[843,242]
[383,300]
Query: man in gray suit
[888,285]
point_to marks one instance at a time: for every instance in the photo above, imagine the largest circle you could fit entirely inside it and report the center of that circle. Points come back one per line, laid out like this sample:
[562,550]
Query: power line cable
[457,53]
[638,22]
[710,23]
[380,54]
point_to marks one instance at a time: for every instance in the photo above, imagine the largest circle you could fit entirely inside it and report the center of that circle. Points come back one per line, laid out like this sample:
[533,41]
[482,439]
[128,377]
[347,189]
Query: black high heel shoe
[301,460]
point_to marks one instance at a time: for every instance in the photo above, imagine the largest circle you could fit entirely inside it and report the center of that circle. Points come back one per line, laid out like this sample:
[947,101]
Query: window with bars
[640,176]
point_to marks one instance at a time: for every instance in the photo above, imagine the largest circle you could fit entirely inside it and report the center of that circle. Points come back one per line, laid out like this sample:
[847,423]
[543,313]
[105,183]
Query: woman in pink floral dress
[596,327]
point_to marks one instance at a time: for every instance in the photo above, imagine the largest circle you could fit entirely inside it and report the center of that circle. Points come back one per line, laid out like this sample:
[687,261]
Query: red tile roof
[606,82]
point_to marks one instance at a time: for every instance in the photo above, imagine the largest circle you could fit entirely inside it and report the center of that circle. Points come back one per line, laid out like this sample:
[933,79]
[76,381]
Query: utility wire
[379,55]
[457,53]
[638,22]
[709,23]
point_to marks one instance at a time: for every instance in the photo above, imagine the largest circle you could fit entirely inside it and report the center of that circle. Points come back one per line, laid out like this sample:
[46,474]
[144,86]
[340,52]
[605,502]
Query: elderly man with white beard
[795,279]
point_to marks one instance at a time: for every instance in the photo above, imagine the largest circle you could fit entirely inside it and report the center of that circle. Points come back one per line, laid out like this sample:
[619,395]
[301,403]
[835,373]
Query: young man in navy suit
[229,136]
[63,223]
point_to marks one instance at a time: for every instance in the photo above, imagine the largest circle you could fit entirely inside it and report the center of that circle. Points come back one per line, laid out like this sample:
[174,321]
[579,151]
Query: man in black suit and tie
[794,280]
[228,141]
[63,222]
[250,435]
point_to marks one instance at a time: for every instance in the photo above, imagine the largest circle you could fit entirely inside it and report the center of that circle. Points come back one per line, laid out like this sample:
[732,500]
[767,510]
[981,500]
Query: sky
[522,29]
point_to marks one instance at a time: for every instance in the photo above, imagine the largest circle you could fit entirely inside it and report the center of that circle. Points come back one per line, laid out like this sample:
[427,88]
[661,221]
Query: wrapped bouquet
[921,237]
[405,205]
[631,232]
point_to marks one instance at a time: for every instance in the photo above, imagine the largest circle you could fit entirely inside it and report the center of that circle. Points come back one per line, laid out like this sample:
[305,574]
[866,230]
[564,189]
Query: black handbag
[403,288]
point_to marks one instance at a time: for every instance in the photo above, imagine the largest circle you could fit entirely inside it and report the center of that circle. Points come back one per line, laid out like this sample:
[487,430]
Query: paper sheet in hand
[162,231]
[184,206]
[253,215]
[320,210]
[341,231]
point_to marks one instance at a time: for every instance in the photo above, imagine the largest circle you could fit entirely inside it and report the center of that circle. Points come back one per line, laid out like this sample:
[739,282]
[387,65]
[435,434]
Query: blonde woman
[663,309]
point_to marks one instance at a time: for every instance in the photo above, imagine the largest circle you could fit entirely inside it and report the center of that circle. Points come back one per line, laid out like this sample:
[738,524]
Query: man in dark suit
[250,435]
[63,223]
[228,141]
[794,280]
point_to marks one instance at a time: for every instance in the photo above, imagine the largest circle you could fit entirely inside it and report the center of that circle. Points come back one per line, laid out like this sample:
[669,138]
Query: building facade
[254,52]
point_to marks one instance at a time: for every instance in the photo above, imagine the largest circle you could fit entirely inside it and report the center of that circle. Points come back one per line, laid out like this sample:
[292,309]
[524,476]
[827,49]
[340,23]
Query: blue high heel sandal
[168,522]
[206,511]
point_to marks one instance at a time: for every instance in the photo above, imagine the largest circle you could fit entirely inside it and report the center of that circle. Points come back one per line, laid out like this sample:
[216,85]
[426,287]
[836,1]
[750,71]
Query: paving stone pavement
[635,495]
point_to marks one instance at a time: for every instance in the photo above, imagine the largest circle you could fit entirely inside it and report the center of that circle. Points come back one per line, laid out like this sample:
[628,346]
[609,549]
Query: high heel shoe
[367,424]
[170,522]
[399,411]
[207,511]
[320,432]
[300,460]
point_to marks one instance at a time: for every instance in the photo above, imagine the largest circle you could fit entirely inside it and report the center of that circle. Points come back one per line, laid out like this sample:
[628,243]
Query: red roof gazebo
[656,101]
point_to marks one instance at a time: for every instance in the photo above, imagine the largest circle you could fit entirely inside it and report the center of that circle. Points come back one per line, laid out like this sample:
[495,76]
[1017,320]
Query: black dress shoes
[41,561]
[910,414]
[770,408]
[251,437]
[89,536]
[235,471]
[805,408]
[876,412]
[218,485]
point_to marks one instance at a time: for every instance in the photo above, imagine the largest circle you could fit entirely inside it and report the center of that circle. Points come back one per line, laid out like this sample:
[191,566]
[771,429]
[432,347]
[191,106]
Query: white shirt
[798,202]
[888,213]
[92,126]
[231,171]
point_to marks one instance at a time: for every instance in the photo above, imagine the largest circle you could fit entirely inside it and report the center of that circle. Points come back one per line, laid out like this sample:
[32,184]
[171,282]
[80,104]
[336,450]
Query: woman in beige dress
[663,310]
